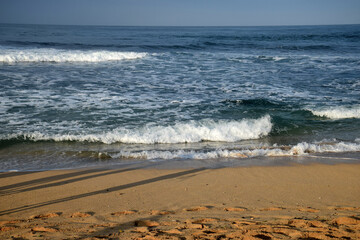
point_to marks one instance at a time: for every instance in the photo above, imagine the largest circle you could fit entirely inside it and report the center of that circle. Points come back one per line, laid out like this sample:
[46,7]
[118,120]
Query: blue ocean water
[76,96]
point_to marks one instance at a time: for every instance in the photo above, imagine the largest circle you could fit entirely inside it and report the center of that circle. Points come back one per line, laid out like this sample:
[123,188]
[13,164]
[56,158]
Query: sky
[181,12]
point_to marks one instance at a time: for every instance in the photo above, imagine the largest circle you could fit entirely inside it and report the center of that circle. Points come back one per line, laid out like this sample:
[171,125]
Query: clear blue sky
[181,12]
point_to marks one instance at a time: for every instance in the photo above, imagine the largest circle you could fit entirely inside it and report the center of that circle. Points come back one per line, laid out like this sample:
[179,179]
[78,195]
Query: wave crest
[61,56]
[338,112]
[190,132]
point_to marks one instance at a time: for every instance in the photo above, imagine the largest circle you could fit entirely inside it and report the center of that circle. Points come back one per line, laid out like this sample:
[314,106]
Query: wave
[301,149]
[338,112]
[61,56]
[190,132]
[65,45]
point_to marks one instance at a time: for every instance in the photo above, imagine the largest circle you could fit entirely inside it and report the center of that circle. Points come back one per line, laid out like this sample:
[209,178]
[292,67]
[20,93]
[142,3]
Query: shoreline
[239,160]
[314,200]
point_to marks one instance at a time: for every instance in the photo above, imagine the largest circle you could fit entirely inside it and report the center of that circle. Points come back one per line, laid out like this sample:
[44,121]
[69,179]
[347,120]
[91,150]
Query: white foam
[338,112]
[305,148]
[190,132]
[301,149]
[61,56]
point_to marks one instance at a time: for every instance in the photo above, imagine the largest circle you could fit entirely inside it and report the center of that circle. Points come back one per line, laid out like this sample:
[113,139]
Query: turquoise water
[98,96]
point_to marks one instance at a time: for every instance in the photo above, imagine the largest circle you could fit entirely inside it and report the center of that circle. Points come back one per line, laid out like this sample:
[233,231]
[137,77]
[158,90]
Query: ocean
[96,96]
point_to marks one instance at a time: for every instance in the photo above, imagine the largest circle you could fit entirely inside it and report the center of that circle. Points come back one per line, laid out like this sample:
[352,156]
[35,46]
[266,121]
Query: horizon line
[102,25]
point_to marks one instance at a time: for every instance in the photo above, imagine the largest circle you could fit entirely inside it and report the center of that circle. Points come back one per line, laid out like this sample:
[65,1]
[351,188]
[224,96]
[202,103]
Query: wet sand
[279,202]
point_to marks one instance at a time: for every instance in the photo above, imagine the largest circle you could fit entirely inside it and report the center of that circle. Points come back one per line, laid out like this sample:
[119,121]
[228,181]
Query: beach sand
[277,202]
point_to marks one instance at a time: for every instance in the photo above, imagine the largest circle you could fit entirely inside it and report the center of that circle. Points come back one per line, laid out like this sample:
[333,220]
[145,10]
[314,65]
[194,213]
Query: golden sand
[281,202]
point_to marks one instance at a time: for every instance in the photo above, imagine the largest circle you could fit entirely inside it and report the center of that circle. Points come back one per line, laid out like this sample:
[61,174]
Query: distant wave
[190,132]
[61,56]
[338,112]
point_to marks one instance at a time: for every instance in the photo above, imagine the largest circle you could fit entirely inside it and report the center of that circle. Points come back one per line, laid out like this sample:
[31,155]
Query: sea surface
[82,96]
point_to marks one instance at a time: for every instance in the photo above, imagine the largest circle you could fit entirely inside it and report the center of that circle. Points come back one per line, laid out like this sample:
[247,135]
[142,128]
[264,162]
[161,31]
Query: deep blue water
[76,96]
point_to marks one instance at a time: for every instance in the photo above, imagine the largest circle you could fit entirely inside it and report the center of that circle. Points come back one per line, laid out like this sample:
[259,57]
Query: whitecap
[185,132]
[61,56]
[338,112]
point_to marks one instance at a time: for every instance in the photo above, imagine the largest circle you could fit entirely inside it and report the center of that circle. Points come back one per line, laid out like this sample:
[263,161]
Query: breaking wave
[338,112]
[301,149]
[61,56]
[190,132]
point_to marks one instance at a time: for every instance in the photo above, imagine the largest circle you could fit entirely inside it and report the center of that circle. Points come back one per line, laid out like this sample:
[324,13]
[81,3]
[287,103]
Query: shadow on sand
[14,188]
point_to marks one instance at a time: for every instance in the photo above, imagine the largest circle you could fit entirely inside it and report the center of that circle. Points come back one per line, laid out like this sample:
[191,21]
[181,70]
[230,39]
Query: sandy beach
[278,202]
[179,120]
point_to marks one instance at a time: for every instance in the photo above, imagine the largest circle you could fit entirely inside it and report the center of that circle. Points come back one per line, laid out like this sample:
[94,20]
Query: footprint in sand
[235,209]
[43,229]
[299,223]
[308,209]
[344,208]
[190,225]
[46,215]
[126,212]
[292,233]
[82,214]
[172,232]
[204,220]
[346,221]
[157,212]
[146,223]
[11,222]
[5,229]
[140,230]
[318,224]
[272,209]
[195,209]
